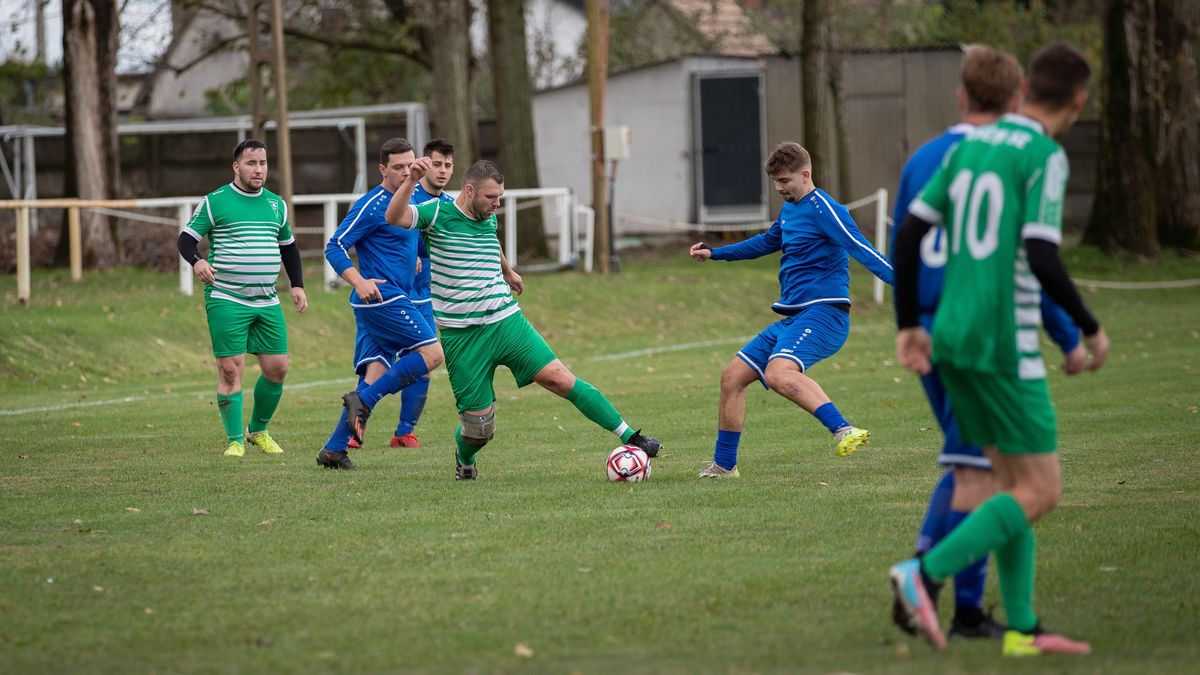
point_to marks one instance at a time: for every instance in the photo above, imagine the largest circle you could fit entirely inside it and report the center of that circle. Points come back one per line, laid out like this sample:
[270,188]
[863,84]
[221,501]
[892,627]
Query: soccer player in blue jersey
[432,185]
[395,346]
[815,233]
[991,86]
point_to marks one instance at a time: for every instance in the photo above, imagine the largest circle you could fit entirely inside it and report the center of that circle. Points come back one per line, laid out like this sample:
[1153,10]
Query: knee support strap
[477,430]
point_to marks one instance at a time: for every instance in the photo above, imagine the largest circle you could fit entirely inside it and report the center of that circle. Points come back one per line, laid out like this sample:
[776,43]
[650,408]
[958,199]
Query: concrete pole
[597,67]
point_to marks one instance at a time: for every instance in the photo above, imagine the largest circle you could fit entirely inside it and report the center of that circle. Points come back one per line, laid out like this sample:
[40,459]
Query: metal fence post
[23,263]
[75,240]
[510,230]
[881,235]
[185,269]
[330,226]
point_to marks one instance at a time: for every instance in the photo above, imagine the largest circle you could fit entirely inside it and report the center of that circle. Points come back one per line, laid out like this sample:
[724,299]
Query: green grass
[396,568]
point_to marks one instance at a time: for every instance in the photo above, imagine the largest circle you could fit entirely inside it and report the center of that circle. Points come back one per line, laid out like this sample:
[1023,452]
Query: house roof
[725,24]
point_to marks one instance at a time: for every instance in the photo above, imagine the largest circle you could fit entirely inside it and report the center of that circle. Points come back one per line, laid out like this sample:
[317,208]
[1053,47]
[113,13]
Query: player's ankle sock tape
[725,454]
[829,415]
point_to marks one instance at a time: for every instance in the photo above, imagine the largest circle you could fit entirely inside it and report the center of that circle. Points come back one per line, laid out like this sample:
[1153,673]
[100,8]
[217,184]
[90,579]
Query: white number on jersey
[968,198]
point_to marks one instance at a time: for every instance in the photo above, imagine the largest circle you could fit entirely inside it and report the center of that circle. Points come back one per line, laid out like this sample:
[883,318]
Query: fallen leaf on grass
[1107,568]
[201,512]
[663,525]
[521,649]
[98,589]
[133,509]
[583,570]
[268,521]
[820,482]
[22,456]
[149,610]
[74,424]
[901,650]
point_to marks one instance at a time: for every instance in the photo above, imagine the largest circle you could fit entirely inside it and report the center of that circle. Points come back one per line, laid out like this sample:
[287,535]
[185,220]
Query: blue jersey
[421,285]
[384,251]
[917,172]
[815,234]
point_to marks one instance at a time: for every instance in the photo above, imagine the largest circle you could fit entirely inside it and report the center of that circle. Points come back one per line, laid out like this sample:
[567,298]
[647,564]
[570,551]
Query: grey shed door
[729,144]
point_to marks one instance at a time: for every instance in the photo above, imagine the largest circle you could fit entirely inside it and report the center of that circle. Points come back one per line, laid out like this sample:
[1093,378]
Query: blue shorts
[955,451]
[426,308]
[388,330]
[816,333]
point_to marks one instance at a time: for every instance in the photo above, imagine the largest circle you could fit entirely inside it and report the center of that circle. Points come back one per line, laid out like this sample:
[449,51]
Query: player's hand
[205,271]
[913,348]
[419,168]
[300,299]
[418,265]
[368,291]
[514,281]
[1076,360]
[700,251]
[1098,345]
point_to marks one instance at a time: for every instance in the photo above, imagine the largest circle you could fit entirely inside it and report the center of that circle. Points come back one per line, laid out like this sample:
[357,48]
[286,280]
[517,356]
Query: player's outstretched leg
[909,584]
[556,378]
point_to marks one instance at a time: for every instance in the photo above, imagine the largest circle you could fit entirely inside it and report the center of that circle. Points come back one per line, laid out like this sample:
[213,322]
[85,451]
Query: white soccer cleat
[714,470]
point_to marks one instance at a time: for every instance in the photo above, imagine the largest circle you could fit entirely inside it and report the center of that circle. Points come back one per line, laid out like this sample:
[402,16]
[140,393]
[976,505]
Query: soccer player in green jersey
[481,325]
[249,238]
[1000,194]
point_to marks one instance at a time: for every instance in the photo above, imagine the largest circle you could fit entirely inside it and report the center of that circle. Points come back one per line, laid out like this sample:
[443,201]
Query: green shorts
[1012,414]
[473,353]
[237,329]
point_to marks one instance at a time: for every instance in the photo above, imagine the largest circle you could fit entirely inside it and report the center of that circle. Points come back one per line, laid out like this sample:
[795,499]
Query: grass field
[111,442]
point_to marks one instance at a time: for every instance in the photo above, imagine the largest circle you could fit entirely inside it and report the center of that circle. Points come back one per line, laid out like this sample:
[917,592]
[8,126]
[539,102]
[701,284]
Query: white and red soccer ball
[628,464]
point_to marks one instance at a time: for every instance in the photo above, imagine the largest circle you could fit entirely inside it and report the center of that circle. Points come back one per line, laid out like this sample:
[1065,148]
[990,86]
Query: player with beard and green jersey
[1000,195]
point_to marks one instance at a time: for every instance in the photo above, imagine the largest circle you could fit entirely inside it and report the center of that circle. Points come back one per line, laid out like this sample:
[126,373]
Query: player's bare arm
[511,277]
[398,212]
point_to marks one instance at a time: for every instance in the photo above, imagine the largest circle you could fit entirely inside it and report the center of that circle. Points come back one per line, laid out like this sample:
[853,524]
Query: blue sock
[412,403]
[829,416]
[341,432]
[969,583]
[727,444]
[933,527]
[404,372]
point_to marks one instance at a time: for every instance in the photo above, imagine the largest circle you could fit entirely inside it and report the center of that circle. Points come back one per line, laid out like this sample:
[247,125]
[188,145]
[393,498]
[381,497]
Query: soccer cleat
[648,444]
[909,589]
[1037,643]
[974,628]
[405,441]
[335,460]
[351,443]
[356,415]
[714,470]
[235,449]
[464,471]
[849,438]
[264,442]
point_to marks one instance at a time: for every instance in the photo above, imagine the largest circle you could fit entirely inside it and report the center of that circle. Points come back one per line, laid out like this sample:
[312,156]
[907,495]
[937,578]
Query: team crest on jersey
[274,206]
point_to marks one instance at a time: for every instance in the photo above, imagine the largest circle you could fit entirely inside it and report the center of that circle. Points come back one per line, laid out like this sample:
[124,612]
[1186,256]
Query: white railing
[880,199]
[575,227]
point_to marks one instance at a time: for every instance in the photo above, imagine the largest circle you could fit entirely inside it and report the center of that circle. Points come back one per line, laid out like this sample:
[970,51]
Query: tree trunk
[1177,161]
[514,115]
[90,29]
[1124,213]
[453,116]
[813,72]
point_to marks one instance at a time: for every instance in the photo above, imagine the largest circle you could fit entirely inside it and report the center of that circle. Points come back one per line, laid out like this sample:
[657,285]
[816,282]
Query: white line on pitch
[619,356]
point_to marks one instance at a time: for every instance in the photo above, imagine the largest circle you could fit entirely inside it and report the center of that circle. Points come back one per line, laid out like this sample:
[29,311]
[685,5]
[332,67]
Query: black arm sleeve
[1049,270]
[906,259]
[187,246]
[290,255]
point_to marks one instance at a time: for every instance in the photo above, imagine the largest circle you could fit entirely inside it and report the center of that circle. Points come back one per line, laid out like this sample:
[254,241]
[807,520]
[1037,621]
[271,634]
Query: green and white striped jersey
[1002,184]
[467,283]
[245,231]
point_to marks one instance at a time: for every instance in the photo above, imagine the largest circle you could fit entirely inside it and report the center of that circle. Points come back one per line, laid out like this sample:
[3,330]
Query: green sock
[466,451]
[989,527]
[1016,561]
[230,406]
[589,401]
[266,400]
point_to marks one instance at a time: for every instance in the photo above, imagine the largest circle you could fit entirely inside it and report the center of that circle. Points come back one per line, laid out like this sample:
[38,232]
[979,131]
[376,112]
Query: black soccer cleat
[976,627]
[648,444]
[464,471]
[901,618]
[356,415]
[335,460]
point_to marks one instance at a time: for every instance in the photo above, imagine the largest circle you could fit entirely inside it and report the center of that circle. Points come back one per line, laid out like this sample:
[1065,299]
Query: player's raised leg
[558,379]
[413,397]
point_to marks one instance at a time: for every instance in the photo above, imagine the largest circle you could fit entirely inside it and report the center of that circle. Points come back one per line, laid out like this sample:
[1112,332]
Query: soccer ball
[628,464]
